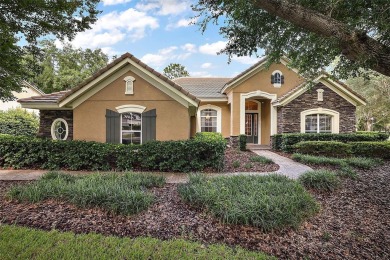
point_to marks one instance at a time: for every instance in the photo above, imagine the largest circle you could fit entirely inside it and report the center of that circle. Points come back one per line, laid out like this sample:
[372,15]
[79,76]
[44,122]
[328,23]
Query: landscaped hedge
[18,122]
[339,149]
[203,151]
[286,142]
[323,148]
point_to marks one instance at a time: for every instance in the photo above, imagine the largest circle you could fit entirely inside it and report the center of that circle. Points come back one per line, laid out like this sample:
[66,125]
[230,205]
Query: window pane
[311,124]
[277,78]
[208,112]
[208,129]
[248,124]
[131,137]
[60,130]
[325,123]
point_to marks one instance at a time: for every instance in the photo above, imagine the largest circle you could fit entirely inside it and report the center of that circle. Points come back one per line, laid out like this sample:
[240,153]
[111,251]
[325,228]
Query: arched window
[131,127]
[320,120]
[277,78]
[59,129]
[129,85]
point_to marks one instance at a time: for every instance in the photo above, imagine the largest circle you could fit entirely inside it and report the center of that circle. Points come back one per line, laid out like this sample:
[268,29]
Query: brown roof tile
[203,87]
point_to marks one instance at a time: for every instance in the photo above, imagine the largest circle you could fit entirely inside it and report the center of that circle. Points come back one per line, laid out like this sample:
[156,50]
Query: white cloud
[206,65]
[110,51]
[212,48]
[189,47]
[114,27]
[164,56]
[182,23]
[245,60]
[164,7]
[115,2]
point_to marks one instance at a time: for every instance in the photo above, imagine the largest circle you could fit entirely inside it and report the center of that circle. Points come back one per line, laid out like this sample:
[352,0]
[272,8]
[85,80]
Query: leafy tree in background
[66,67]
[376,114]
[175,70]
[311,33]
[29,20]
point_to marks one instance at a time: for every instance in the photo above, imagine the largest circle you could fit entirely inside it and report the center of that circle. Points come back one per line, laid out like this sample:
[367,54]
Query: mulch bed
[354,222]
[245,165]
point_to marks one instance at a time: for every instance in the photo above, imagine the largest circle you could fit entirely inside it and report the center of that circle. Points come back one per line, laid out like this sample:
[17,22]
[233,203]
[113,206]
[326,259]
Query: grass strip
[117,193]
[25,243]
[268,202]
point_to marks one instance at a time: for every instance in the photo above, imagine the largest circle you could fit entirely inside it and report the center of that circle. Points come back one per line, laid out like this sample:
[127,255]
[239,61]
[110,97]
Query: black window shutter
[282,79]
[113,130]
[272,79]
[149,125]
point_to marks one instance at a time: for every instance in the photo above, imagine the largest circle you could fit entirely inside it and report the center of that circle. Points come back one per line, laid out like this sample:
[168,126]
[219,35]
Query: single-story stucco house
[129,102]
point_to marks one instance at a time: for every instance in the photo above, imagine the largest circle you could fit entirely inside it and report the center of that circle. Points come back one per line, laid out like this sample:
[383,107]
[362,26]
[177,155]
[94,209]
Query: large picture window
[318,123]
[208,120]
[131,128]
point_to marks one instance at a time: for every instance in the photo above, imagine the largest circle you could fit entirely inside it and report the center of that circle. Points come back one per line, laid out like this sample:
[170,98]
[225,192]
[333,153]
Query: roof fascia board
[91,84]
[43,106]
[224,99]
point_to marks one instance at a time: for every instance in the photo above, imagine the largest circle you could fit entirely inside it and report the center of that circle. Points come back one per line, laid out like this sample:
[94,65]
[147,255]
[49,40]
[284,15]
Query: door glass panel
[248,124]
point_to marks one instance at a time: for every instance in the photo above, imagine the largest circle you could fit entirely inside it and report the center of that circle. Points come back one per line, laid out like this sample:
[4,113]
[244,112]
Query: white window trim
[219,117]
[129,130]
[127,80]
[320,94]
[335,118]
[277,85]
[66,127]
[130,108]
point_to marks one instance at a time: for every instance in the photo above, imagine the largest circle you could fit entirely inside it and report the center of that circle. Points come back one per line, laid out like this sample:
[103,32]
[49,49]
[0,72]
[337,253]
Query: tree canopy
[311,33]
[65,67]
[175,70]
[24,22]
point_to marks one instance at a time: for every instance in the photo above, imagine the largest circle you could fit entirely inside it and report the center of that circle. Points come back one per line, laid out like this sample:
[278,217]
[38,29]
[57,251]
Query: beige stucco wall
[262,81]
[173,121]
[225,116]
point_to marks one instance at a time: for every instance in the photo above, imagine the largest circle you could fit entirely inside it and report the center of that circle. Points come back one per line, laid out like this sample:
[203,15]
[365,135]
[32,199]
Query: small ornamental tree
[175,70]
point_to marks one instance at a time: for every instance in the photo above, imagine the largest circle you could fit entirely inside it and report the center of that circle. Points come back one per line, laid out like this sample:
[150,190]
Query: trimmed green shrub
[322,180]
[324,148]
[18,122]
[276,142]
[289,140]
[268,202]
[182,156]
[371,149]
[117,193]
[260,159]
[242,142]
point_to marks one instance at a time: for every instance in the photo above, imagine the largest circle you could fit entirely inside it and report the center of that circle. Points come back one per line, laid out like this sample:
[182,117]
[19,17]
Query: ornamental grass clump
[267,202]
[322,180]
[118,193]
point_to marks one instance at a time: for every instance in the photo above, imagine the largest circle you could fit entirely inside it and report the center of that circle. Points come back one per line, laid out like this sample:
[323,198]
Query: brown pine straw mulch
[245,165]
[354,222]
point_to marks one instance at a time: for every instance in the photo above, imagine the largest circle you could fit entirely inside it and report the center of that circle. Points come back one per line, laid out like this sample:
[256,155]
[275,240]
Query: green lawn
[117,193]
[25,243]
[268,202]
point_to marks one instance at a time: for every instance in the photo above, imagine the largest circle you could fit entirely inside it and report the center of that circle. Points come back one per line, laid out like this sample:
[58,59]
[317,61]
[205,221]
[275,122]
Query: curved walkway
[287,167]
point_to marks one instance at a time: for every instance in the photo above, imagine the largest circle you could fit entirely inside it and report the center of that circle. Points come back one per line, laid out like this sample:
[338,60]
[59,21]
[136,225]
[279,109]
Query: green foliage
[322,180]
[260,159]
[117,193]
[27,243]
[251,26]
[242,142]
[276,142]
[182,156]
[175,70]
[324,148]
[30,21]
[289,140]
[66,67]
[357,162]
[371,149]
[18,122]
[375,115]
[268,202]
[236,164]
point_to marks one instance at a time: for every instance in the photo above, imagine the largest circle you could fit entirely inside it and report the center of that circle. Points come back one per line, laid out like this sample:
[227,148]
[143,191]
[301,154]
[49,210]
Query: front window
[208,120]
[277,78]
[131,128]
[318,123]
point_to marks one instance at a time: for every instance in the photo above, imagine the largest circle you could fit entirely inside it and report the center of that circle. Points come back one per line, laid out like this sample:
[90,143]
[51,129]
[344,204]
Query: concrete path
[288,167]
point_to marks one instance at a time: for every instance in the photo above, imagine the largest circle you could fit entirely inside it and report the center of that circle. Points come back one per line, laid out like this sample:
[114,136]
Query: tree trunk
[355,45]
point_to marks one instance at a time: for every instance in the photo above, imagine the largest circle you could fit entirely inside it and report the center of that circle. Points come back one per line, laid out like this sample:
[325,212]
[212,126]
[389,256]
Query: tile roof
[203,87]
[45,98]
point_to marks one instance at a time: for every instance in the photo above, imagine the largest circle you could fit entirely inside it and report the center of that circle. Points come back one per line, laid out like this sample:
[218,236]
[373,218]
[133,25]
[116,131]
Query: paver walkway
[287,167]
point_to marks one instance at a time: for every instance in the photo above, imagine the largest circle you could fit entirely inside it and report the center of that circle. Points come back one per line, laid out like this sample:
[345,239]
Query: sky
[159,32]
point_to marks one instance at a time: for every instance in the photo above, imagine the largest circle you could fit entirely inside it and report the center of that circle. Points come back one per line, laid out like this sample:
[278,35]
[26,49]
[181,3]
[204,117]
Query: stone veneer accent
[48,116]
[289,116]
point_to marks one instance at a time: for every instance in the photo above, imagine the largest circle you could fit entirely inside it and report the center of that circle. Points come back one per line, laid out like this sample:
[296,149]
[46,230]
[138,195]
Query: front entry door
[251,128]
